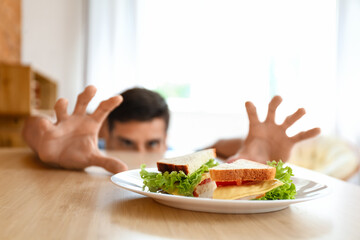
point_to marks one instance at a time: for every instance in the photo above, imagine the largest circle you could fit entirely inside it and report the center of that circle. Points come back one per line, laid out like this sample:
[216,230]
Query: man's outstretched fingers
[251,111]
[83,100]
[110,164]
[290,120]
[61,109]
[273,105]
[45,124]
[106,107]
[306,135]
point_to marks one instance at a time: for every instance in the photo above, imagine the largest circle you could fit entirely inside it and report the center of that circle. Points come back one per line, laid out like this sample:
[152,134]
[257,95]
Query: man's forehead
[149,129]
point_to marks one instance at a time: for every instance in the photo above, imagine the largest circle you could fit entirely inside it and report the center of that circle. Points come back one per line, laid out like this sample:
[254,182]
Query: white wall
[348,115]
[192,131]
[53,42]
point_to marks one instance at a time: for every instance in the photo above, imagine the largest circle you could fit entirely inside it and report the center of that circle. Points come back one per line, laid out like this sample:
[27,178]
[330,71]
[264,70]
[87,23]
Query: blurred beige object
[328,155]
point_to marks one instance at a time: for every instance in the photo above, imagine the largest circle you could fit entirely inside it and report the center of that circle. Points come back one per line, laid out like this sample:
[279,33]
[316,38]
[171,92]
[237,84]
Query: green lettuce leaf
[175,181]
[286,191]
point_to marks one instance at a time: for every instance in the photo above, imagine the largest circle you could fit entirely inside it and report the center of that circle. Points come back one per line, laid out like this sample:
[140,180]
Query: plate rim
[173,198]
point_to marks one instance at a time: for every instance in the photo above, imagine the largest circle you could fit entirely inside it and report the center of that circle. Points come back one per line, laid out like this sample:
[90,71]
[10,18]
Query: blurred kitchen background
[206,58]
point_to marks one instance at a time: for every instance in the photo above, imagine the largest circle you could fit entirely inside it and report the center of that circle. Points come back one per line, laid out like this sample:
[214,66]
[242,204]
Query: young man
[72,142]
[139,124]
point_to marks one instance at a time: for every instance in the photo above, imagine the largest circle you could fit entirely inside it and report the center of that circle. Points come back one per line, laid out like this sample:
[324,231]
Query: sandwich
[186,175]
[247,180]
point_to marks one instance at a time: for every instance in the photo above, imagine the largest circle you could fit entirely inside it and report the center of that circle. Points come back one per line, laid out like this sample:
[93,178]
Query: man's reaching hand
[267,141]
[72,142]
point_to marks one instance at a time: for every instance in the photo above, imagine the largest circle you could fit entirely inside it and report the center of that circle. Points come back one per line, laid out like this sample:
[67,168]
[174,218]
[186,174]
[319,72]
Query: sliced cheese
[175,192]
[236,192]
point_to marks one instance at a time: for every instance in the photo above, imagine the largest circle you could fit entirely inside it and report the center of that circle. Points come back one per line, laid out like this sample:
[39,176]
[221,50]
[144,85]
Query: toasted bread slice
[244,170]
[187,163]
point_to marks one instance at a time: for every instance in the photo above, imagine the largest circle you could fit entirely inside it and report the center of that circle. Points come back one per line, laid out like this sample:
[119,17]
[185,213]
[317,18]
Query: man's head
[140,123]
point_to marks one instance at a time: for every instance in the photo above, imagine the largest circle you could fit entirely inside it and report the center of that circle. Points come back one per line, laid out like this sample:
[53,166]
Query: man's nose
[141,149]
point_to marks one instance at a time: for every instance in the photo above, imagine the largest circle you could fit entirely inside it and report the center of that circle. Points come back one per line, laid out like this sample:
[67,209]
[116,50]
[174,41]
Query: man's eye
[127,143]
[153,144]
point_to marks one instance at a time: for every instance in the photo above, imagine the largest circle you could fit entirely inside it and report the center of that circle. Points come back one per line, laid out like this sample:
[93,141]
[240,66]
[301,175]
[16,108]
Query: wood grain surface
[10,31]
[38,202]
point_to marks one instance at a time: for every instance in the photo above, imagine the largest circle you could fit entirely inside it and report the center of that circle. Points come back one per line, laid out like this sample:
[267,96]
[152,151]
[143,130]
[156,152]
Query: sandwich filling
[254,189]
[177,182]
[277,186]
[285,191]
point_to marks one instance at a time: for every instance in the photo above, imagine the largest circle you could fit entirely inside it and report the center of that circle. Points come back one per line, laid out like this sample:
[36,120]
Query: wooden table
[37,202]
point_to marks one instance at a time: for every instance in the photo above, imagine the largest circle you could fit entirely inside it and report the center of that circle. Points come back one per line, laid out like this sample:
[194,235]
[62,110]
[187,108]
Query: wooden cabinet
[23,92]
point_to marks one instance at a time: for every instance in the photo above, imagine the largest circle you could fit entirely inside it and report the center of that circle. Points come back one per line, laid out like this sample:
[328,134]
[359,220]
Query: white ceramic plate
[306,190]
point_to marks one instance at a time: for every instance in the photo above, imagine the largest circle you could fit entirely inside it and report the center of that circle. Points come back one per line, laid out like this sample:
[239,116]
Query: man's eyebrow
[124,139]
[153,140]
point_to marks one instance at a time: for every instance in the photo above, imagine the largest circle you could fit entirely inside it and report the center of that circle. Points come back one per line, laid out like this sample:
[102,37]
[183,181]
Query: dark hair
[140,104]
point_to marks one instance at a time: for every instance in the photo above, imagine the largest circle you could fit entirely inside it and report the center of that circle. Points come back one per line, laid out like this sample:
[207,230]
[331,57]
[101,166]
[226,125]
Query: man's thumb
[110,164]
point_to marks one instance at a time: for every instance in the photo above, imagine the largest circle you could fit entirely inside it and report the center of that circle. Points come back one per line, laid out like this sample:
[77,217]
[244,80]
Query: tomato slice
[207,180]
[234,183]
[228,183]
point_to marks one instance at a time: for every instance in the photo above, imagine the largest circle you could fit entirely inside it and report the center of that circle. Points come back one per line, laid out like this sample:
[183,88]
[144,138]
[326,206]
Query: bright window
[209,57]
